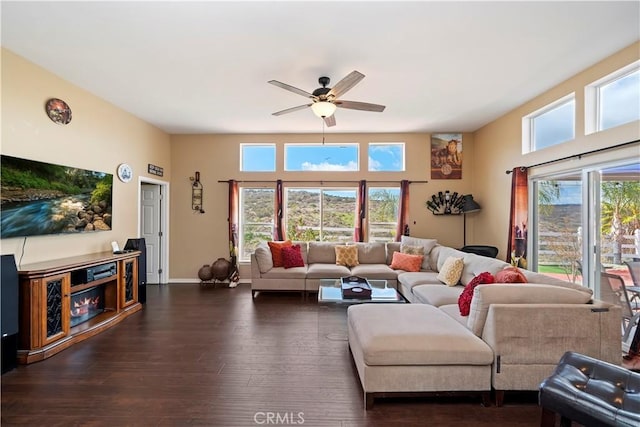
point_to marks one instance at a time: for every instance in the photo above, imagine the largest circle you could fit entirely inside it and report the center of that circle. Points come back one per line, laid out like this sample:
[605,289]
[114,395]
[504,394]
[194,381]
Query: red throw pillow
[292,256]
[276,251]
[406,262]
[510,275]
[464,300]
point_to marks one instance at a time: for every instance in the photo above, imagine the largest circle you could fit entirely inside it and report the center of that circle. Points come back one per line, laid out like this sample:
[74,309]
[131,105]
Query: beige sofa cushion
[413,334]
[421,278]
[517,293]
[438,295]
[391,248]
[371,253]
[476,264]
[446,252]
[322,252]
[263,257]
[374,271]
[427,244]
[327,271]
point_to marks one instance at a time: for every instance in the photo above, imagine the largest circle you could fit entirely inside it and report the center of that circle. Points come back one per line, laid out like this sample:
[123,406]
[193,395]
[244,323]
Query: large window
[558,229]
[613,100]
[587,221]
[318,157]
[386,156]
[314,214]
[256,219]
[551,125]
[257,157]
[383,213]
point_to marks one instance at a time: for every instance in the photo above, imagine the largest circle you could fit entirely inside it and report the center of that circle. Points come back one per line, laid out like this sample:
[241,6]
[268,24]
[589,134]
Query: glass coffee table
[330,291]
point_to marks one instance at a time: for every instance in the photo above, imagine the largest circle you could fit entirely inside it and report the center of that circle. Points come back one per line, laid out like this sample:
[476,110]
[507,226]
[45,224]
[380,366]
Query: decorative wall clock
[125,173]
[58,111]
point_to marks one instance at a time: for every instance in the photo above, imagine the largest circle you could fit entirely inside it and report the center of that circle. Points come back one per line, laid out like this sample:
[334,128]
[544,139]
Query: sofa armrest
[532,337]
[255,270]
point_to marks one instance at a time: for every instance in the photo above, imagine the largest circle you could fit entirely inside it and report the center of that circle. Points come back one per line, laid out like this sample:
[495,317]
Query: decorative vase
[205,273]
[220,269]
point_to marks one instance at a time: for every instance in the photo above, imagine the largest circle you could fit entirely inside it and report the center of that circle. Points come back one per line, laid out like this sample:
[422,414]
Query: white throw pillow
[451,271]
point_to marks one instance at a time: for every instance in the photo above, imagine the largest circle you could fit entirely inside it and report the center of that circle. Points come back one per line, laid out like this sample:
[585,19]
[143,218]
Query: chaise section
[415,348]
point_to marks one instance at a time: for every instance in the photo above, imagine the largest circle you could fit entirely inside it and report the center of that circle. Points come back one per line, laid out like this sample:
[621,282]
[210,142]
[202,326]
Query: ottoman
[412,349]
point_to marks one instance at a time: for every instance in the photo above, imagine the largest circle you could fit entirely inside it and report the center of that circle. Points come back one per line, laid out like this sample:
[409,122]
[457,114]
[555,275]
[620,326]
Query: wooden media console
[68,300]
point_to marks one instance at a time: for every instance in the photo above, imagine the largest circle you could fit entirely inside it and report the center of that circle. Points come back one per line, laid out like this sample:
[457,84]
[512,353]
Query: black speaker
[9,303]
[140,245]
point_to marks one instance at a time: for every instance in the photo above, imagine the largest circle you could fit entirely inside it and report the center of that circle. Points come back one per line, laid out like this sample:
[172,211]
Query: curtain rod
[321,181]
[579,156]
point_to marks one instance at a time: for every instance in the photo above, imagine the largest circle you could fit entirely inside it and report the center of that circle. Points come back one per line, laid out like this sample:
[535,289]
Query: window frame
[369,223]
[255,145]
[403,160]
[242,223]
[593,97]
[356,145]
[529,128]
[321,204]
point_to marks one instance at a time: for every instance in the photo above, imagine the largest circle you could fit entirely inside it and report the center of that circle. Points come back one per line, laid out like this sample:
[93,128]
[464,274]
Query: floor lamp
[468,205]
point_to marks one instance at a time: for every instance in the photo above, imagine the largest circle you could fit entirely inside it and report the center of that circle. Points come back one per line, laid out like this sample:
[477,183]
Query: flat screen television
[40,198]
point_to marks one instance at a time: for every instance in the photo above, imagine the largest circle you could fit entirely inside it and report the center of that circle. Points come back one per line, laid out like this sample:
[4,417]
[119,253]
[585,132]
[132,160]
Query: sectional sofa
[512,338]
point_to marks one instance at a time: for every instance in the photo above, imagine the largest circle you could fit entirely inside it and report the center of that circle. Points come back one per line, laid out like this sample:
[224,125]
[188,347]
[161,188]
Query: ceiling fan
[325,99]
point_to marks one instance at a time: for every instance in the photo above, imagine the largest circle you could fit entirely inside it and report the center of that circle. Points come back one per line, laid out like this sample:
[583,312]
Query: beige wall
[99,137]
[102,136]
[198,239]
[499,148]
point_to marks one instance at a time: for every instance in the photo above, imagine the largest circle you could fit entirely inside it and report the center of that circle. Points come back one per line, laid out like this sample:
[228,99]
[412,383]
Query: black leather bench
[590,392]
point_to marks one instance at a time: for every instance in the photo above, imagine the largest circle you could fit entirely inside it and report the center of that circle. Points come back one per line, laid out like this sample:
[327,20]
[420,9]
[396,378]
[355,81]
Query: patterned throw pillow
[276,251]
[347,255]
[406,262]
[510,275]
[451,271]
[413,250]
[464,300]
[292,256]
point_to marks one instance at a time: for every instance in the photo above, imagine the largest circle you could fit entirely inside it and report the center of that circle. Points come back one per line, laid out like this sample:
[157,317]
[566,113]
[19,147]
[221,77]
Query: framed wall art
[446,156]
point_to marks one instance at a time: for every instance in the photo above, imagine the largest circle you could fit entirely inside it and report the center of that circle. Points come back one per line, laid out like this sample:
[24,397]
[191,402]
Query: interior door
[150,226]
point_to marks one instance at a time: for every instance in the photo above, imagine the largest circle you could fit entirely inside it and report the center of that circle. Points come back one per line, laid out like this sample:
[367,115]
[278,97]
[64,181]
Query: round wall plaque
[125,173]
[58,111]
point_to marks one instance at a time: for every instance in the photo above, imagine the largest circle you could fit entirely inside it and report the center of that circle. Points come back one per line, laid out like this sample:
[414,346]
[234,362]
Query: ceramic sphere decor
[205,274]
[220,269]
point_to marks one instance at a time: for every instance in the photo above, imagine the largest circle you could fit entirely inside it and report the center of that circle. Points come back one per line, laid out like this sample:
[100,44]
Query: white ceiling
[203,67]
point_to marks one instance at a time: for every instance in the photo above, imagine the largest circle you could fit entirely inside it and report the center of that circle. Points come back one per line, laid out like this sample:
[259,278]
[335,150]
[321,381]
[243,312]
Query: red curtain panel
[361,208]
[518,227]
[403,209]
[233,229]
[278,232]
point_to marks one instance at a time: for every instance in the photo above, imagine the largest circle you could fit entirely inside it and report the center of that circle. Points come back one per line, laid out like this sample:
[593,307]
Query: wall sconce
[196,193]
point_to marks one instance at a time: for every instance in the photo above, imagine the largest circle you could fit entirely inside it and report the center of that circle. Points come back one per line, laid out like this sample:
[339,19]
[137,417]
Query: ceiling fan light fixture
[323,109]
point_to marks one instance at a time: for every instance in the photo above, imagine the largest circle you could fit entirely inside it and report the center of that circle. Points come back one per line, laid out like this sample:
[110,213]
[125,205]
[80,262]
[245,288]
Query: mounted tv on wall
[42,198]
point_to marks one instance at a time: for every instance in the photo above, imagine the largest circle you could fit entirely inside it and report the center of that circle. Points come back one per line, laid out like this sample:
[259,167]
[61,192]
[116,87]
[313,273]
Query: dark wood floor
[213,356]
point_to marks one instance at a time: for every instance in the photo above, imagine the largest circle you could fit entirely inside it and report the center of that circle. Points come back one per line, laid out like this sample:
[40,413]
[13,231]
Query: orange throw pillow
[276,252]
[406,262]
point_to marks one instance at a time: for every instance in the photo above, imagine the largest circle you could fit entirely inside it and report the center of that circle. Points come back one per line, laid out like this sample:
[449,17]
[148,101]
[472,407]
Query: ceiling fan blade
[355,105]
[330,121]
[291,110]
[291,89]
[345,84]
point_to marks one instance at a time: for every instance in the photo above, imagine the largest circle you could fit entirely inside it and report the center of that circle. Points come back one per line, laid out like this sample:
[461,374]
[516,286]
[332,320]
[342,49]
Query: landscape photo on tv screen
[42,198]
